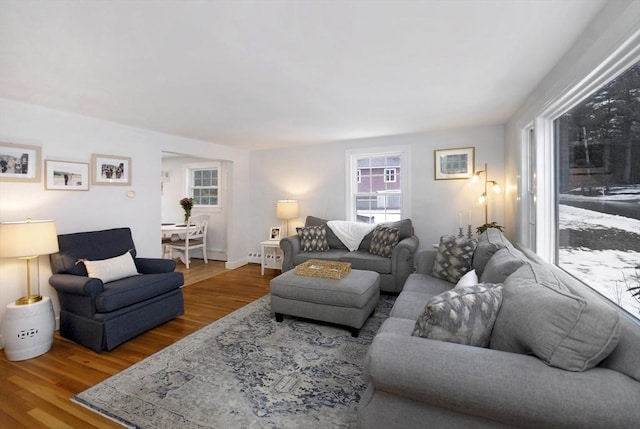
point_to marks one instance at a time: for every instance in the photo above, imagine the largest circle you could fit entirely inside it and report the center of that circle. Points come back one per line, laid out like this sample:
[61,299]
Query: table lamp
[287,210]
[28,240]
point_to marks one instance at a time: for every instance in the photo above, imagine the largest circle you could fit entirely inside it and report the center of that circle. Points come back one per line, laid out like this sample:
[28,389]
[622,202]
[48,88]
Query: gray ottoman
[348,301]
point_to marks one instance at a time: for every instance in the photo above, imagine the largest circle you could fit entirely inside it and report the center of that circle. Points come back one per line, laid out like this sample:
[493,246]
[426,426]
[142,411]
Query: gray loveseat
[100,315]
[393,271]
[417,382]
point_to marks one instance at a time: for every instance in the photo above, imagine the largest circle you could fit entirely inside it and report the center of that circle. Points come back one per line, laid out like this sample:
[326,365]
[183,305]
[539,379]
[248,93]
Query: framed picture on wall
[458,163]
[19,163]
[274,233]
[66,176]
[110,170]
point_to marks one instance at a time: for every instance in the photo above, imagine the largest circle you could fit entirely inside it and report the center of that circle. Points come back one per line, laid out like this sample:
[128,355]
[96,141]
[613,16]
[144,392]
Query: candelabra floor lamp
[484,198]
[29,323]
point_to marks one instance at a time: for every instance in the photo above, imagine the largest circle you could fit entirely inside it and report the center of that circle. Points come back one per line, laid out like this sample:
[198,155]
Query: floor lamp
[29,323]
[287,210]
[484,198]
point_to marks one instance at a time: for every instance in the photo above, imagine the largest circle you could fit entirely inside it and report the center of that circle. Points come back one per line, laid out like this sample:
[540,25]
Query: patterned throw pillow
[384,239]
[313,239]
[461,315]
[454,257]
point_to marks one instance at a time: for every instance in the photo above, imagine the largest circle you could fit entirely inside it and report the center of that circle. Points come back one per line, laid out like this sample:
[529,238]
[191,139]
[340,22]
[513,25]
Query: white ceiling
[261,74]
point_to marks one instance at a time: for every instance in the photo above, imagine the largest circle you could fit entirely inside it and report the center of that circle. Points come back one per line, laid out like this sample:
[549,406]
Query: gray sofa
[416,382]
[100,315]
[393,271]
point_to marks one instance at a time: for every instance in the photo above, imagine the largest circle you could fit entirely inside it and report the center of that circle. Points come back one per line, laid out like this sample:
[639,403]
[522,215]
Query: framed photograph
[110,170]
[19,163]
[458,163]
[274,233]
[66,176]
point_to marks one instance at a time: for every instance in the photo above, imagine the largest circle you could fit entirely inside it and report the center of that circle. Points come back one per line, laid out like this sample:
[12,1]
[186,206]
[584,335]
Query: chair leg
[204,253]
[186,256]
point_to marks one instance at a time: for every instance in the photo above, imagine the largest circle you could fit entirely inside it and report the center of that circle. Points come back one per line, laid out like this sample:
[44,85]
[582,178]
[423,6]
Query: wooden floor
[36,393]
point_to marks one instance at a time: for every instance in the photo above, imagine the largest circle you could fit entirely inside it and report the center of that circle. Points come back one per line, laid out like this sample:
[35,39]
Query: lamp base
[31,299]
[27,330]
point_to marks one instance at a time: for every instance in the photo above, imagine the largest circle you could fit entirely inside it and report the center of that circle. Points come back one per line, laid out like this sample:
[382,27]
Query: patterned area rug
[245,371]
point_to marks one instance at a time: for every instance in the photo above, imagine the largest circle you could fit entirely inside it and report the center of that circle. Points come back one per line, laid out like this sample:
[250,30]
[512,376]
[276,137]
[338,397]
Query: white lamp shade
[28,238]
[287,209]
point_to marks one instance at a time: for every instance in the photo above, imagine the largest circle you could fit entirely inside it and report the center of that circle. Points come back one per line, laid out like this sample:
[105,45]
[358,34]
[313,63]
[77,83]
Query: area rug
[245,371]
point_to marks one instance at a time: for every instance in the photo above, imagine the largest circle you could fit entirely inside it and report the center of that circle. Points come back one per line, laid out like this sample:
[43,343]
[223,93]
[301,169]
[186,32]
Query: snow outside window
[597,145]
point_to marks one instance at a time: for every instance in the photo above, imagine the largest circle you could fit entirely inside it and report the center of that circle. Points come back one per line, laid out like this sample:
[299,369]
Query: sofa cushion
[93,245]
[333,241]
[111,269]
[132,290]
[404,225]
[463,315]
[329,255]
[313,239]
[453,259]
[489,242]
[384,240]
[504,262]
[541,316]
[410,305]
[363,260]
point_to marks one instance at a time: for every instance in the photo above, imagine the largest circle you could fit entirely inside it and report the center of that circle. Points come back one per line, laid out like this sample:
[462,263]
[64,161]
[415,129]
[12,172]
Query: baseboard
[232,265]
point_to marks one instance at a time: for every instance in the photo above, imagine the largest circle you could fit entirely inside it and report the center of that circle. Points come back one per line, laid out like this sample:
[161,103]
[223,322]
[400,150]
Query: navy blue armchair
[100,315]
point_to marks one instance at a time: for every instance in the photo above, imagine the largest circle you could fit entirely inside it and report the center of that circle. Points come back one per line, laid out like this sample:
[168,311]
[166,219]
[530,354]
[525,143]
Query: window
[390,175]
[597,181]
[376,184]
[203,185]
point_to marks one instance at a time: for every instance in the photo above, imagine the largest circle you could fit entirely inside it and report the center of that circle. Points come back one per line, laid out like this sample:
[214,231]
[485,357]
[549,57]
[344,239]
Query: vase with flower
[187,205]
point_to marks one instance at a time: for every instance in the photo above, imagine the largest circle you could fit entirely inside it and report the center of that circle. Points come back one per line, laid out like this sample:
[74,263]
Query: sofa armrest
[515,389]
[76,285]
[402,260]
[154,265]
[290,247]
[425,260]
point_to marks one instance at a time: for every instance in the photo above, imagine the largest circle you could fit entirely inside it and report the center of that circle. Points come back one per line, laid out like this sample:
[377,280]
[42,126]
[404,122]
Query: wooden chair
[195,238]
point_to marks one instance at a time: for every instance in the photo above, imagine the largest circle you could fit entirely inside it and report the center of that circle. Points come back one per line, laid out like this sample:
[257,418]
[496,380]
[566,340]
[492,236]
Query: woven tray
[324,269]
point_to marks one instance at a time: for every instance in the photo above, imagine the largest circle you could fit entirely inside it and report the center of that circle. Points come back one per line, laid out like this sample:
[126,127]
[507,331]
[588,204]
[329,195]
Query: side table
[276,264]
[27,330]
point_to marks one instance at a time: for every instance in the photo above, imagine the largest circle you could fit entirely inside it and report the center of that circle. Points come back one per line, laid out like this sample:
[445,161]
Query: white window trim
[204,166]
[619,61]
[390,172]
[405,185]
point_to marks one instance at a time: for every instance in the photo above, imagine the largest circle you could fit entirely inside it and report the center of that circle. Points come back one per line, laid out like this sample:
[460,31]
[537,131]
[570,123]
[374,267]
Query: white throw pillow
[112,269]
[469,279]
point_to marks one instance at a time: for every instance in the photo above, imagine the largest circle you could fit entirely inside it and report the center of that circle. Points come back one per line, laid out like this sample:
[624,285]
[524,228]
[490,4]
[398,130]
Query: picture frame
[66,175]
[110,170]
[20,163]
[456,163]
[274,233]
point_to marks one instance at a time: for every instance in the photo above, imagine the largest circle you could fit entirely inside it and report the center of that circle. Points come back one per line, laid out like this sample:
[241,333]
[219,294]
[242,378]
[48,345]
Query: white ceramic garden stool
[27,330]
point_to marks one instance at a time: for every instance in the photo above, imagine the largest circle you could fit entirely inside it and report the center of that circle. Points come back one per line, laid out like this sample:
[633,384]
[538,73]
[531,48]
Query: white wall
[69,137]
[315,175]
[613,26]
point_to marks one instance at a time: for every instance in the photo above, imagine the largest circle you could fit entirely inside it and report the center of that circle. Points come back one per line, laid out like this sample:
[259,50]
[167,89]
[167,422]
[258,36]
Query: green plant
[486,226]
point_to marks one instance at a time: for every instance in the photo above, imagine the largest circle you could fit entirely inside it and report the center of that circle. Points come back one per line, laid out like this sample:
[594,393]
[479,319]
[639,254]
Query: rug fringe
[104,413]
